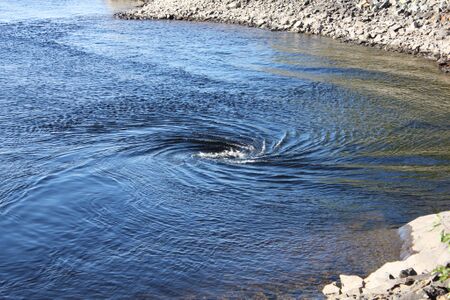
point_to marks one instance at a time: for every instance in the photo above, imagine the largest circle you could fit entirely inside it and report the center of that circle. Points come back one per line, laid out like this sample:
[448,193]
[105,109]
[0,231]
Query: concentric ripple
[218,153]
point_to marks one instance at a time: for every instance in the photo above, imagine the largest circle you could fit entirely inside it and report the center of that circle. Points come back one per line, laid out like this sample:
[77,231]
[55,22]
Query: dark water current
[186,160]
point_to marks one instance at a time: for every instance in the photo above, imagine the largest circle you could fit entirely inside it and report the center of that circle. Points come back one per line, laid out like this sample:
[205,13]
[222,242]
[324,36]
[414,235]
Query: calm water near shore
[165,159]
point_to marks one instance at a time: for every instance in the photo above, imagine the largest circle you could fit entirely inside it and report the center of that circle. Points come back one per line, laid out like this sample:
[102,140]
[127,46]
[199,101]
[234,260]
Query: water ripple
[184,160]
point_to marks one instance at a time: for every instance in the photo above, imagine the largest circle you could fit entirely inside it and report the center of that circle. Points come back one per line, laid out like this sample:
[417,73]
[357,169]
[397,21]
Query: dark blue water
[185,160]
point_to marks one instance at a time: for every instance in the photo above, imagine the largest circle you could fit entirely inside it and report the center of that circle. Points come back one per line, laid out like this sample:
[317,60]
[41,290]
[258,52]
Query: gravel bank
[411,278]
[420,27]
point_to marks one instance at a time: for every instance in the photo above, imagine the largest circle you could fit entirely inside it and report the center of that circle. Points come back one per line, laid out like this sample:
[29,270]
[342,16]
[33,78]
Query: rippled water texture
[185,160]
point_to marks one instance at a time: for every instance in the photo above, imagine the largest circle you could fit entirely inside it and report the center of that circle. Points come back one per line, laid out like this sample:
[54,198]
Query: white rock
[260,22]
[298,24]
[424,248]
[350,283]
[331,289]
[234,5]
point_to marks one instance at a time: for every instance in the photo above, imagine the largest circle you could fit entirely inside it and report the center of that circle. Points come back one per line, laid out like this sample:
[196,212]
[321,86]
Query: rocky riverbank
[411,278]
[420,27]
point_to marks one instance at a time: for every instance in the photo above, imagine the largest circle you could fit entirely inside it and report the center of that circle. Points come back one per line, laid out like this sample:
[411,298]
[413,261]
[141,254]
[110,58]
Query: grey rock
[409,281]
[416,24]
[383,4]
[433,291]
[419,295]
[395,27]
[444,284]
[407,272]
[442,34]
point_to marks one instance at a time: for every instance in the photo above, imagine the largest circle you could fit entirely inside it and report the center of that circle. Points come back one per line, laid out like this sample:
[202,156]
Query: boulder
[331,289]
[433,291]
[351,283]
[407,272]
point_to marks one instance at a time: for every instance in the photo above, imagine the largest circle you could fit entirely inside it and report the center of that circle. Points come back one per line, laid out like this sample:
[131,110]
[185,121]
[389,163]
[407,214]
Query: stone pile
[420,27]
[412,278]
[406,286]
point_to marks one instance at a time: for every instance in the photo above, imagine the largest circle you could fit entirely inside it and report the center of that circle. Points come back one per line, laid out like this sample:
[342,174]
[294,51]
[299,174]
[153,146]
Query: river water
[157,159]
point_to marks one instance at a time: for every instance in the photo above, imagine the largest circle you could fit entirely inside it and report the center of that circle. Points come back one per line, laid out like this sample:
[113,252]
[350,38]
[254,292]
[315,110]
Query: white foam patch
[227,154]
[242,154]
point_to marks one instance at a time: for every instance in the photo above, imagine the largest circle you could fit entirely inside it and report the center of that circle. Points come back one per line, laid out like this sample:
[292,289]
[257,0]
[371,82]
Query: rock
[297,24]
[234,5]
[423,251]
[351,283]
[403,288]
[443,297]
[417,295]
[383,4]
[445,284]
[378,39]
[331,289]
[395,27]
[409,281]
[442,34]
[285,21]
[407,272]
[354,292]
[260,22]
[433,292]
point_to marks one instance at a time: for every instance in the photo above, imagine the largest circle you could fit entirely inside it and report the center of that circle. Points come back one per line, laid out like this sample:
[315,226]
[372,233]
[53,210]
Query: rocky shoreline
[419,27]
[411,278]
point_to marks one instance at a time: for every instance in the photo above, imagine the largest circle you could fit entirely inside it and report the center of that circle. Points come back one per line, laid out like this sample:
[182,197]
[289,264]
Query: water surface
[186,160]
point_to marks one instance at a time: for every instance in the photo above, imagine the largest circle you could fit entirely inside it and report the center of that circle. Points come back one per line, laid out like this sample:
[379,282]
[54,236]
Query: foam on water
[226,154]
